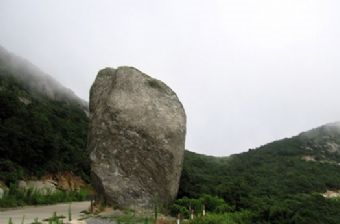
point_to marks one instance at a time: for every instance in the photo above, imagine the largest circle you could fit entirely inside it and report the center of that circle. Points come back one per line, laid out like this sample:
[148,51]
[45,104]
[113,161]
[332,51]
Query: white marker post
[203,211]
[192,214]
[178,218]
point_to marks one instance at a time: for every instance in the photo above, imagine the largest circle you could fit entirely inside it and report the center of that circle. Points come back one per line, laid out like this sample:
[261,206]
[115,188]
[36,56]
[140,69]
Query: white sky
[247,72]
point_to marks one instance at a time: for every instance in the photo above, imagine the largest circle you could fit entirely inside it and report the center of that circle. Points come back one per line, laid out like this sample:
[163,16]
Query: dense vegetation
[274,182]
[39,135]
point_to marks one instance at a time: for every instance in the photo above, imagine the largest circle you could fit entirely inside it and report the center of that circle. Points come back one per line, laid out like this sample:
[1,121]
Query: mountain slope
[36,81]
[275,180]
[43,125]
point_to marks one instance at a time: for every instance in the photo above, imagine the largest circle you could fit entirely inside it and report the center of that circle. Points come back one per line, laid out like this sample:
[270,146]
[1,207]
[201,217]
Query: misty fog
[247,72]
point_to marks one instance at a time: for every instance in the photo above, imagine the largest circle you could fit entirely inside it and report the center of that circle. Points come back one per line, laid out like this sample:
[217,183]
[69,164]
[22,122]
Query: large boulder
[136,138]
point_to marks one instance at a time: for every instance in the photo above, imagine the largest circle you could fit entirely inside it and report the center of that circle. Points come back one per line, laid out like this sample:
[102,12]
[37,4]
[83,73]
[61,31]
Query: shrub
[212,204]
[243,217]
[213,219]
[215,204]
[178,209]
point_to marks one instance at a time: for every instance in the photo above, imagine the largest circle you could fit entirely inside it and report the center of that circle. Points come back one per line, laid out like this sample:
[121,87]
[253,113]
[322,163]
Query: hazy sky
[247,72]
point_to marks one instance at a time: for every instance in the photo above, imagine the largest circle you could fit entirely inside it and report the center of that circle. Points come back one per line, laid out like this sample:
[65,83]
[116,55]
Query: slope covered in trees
[280,182]
[39,133]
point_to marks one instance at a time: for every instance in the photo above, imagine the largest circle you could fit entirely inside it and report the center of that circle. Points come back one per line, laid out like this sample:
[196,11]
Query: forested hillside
[43,126]
[281,182]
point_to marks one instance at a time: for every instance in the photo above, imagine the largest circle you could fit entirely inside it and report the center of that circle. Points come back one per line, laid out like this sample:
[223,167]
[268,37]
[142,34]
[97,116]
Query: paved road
[42,212]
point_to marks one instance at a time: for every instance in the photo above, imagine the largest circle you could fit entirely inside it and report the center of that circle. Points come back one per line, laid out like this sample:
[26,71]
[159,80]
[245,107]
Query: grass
[23,219]
[36,221]
[10,221]
[242,217]
[69,213]
[130,217]
[55,219]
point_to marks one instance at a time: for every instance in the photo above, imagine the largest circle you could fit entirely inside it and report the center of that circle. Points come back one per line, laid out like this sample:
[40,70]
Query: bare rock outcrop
[136,138]
[41,187]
